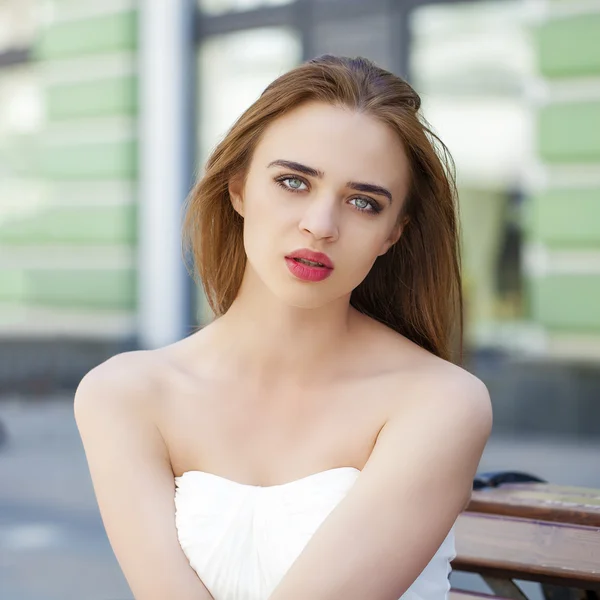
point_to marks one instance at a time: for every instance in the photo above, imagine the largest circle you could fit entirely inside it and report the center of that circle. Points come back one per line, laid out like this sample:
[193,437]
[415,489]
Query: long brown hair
[415,288]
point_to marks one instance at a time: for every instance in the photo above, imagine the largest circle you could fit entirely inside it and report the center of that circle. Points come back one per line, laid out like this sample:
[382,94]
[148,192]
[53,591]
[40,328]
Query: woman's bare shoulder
[410,367]
[401,356]
[437,387]
[129,380]
[436,376]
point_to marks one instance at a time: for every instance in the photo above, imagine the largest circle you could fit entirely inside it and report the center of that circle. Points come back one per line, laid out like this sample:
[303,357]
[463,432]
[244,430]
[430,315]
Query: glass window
[353,36]
[234,70]
[471,63]
[217,7]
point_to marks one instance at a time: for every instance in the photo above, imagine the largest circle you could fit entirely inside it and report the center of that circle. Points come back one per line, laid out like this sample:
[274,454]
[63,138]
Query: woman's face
[324,179]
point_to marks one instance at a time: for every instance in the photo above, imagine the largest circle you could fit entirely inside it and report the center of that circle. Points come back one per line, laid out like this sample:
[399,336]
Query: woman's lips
[307,272]
[312,256]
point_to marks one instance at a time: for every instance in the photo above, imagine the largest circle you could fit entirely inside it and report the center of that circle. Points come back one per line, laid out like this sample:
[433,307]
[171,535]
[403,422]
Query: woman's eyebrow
[289,164]
[355,185]
[370,188]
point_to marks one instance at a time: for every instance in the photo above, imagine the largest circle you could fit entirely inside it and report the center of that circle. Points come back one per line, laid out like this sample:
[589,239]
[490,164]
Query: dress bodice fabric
[241,539]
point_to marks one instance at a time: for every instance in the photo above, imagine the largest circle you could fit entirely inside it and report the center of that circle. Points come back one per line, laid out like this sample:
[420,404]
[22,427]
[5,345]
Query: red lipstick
[308,265]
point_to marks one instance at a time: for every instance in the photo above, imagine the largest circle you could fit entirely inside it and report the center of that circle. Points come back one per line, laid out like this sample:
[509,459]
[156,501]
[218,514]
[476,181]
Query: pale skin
[293,381]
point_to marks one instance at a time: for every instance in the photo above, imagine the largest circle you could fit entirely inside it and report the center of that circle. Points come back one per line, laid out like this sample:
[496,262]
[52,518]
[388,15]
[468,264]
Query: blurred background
[108,110]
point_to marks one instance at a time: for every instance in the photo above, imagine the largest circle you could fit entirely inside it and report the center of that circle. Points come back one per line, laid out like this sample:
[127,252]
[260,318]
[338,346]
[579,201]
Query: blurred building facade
[69,178]
[512,86]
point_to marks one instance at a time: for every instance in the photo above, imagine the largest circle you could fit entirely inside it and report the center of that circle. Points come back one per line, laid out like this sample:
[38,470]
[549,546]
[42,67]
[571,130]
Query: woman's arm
[417,481]
[132,477]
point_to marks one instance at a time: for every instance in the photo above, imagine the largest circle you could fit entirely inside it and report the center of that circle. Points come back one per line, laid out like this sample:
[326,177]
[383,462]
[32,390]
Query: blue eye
[367,205]
[291,188]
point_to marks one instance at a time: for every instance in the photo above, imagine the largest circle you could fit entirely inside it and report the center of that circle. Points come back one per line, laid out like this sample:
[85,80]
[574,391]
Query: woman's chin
[308,296]
[296,293]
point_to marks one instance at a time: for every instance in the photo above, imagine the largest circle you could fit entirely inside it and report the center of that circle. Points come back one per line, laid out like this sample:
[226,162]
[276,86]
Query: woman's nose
[320,219]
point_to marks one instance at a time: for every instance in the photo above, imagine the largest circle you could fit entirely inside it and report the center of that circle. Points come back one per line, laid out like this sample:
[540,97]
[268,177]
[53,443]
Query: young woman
[317,440]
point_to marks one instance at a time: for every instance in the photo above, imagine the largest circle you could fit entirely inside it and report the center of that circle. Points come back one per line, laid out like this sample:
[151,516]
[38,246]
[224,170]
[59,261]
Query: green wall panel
[13,285]
[18,154]
[569,132]
[92,288]
[566,217]
[116,160]
[92,98]
[566,302]
[569,47]
[80,225]
[106,33]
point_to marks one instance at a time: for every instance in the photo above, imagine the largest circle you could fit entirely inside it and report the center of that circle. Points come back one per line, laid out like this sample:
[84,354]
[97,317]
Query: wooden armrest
[510,547]
[540,501]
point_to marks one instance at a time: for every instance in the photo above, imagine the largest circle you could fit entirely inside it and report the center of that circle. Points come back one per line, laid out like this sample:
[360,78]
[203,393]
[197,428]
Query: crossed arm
[416,482]
[132,477]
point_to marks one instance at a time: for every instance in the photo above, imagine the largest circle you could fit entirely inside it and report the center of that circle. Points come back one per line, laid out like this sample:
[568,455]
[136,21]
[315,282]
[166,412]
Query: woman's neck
[270,340]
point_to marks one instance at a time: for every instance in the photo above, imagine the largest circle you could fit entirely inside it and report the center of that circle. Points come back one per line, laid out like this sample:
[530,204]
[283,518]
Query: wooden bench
[518,527]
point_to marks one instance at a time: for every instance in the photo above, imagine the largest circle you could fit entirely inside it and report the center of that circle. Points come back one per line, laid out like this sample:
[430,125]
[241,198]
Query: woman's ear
[236,189]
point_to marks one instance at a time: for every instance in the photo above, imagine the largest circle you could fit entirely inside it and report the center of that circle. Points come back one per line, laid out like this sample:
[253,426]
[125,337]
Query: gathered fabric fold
[242,539]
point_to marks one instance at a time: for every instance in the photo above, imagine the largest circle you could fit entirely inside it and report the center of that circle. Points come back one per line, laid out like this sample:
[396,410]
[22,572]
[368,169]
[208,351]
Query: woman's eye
[291,183]
[366,205]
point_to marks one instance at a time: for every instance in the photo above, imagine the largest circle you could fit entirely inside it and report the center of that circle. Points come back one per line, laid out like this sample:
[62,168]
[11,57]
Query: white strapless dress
[241,539]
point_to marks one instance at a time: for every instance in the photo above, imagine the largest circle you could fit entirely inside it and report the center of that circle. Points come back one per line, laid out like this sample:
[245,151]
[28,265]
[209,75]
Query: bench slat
[530,550]
[540,501]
